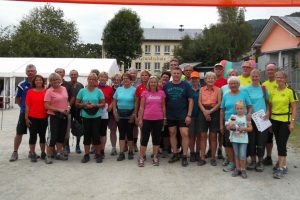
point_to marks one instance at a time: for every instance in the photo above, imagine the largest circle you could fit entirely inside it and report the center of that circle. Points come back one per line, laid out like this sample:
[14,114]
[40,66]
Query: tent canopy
[15,67]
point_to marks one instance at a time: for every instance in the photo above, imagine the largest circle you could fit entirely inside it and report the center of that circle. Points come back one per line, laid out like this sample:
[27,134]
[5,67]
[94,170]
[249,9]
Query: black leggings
[103,129]
[125,129]
[58,129]
[38,126]
[281,133]
[91,130]
[257,141]
[152,127]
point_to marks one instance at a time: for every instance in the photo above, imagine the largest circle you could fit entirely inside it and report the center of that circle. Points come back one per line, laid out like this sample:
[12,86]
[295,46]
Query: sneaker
[99,158]
[77,149]
[208,154]
[197,156]
[164,154]
[213,162]
[155,161]
[130,155]
[225,162]
[102,154]
[259,167]
[201,162]
[43,155]
[48,160]
[278,174]
[192,157]
[14,156]
[113,152]
[174,158]
[251,166]
[60,156]
[33,157]
[285,170]
[121,157]
[184,161]
[141,162]
[29,156]
[267,161]
[244,174]
[86,158]
[230,167]
[136,148]
[220,155]
[276,166]
[236,173]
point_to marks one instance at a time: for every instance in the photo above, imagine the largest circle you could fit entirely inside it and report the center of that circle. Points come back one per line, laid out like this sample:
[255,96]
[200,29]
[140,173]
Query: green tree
[5,41]
[88,50]
[122,37]
[45,33]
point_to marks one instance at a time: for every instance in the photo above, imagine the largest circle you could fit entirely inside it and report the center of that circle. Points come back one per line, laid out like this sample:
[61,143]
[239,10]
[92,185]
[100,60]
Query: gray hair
[210,74]
[232,70]
[232,79]
[30,66]
[132,69]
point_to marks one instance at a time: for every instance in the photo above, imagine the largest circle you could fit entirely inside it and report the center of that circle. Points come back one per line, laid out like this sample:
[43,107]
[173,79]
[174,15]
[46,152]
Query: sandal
[155,161]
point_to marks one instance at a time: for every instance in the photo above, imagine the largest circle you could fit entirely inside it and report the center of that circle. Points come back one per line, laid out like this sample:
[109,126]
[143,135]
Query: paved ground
[124,180]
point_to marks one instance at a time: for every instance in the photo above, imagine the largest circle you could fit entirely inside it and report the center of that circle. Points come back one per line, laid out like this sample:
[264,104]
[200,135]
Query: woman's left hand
[131,119]
[292,126]
[187,120]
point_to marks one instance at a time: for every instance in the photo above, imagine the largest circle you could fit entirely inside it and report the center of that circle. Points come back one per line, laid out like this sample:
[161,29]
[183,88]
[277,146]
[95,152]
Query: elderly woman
[108,94]
[283,114]
[230,73]
[257,140]
[57,106]
[123,108]
[209,103]
[227,109]
[90,100]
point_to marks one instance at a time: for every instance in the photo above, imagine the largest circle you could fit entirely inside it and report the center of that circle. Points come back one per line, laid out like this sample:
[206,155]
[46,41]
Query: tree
[88,51]
[122,37]
[45,33]
[5,41]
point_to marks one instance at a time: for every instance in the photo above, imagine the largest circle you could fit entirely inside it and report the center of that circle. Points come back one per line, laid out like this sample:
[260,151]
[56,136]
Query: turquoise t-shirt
[239,136]
[125,97]
[257,97]
[90,96]
[228,102]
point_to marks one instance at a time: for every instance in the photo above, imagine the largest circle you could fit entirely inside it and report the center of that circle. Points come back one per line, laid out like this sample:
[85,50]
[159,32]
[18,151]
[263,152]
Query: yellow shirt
[271,86]
[245,81]
[281,104]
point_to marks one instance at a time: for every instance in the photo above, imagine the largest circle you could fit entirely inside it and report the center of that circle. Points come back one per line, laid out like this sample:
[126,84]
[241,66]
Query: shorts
[178,123]
[213,125]
[21,126]
[226,140]
[194,128]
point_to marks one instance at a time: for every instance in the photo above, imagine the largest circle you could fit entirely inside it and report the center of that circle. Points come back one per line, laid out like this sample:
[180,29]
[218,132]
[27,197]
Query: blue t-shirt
[257,98]
[196,108]
[239,136]
[21,93]
[90,96]
[177,96]
[228,102]
[125,97]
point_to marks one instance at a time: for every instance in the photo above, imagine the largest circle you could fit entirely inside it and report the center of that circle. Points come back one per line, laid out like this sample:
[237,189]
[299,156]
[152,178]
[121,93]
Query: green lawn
[295,137]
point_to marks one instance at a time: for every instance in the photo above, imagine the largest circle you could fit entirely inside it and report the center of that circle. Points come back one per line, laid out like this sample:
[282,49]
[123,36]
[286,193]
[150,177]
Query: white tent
[12,70]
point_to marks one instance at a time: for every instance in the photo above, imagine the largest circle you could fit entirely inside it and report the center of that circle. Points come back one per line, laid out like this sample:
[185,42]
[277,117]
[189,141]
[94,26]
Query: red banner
[246,3]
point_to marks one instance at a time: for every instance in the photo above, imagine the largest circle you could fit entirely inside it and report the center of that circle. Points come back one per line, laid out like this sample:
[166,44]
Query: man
[75,112]
[179,106]
[245,78]
[21,93]
[68,86]
[271,85]
[187,70]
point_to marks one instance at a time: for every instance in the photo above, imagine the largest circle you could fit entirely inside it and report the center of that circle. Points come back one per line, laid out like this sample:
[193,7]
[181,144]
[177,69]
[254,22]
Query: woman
[194,128]
[57,106]
[227,109]
[209,104]
[112,124]
[36,116]
[151,118]
[257,140]
[123,108]
[108,94]
[90,100]
[283,103]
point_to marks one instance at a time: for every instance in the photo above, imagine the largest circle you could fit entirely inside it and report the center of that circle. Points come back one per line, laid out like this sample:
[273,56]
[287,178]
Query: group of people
[179,113]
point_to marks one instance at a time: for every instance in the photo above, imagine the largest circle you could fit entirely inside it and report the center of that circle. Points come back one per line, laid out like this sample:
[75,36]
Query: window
[157,66]
[147,66]
[147,49]
[157,49]
[138,66]
[167,50]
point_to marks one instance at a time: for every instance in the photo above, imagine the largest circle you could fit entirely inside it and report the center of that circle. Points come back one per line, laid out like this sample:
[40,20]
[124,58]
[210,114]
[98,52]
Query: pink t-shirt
[153,109]
[57,98]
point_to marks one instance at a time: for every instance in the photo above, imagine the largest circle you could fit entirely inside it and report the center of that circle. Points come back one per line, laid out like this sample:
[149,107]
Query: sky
[91,19]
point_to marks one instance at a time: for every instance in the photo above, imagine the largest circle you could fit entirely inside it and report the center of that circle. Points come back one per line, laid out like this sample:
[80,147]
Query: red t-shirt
[108,93]
[35,101]
[139,90]
[220,82]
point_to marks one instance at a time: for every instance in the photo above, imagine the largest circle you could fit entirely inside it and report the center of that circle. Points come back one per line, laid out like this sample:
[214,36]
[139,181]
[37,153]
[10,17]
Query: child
[239,126]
